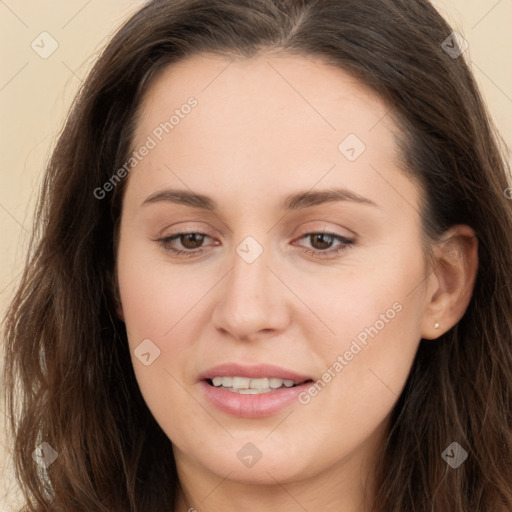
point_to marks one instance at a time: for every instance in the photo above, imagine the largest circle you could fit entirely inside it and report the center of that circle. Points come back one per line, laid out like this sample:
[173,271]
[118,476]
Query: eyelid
[321,226]
[189,229]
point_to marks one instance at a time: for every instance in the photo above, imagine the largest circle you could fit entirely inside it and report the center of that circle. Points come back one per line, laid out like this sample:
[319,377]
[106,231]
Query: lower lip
[252,406]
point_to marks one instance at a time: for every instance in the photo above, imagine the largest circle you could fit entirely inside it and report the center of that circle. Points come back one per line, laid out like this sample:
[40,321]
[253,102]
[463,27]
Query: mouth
[248,386]
[252,391]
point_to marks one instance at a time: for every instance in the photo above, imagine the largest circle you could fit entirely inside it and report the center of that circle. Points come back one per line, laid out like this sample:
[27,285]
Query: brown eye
[191,240]
[321,244]
[321,241]
[184,244]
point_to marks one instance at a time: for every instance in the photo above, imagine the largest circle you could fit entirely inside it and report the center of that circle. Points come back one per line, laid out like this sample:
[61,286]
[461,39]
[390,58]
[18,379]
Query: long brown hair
[68,373]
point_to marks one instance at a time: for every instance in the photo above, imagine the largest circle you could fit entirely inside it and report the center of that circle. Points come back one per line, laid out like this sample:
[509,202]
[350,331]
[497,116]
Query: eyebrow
[295,201]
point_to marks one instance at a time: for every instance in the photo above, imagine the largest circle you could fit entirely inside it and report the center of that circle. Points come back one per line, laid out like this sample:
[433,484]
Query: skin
[264,128]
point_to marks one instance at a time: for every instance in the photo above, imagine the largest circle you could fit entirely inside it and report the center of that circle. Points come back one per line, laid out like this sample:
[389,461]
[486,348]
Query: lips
[252,391]
[253,372]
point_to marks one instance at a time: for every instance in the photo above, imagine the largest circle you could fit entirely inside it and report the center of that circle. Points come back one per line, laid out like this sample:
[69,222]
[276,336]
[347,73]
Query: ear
[114,283]
[119,310]
[451,282]
[114,292]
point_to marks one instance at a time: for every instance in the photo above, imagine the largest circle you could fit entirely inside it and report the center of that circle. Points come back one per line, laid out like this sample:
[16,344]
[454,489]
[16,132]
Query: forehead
[274,118]
[268,90]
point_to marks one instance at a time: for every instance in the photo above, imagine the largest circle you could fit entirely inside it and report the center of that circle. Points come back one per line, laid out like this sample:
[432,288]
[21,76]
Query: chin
[260,462]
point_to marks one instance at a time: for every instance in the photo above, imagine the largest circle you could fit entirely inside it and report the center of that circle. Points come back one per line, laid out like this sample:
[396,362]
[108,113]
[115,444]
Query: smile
[247,386]
[251,390]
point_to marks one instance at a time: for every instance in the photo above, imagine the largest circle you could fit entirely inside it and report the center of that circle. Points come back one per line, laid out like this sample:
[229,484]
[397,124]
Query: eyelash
[346,243]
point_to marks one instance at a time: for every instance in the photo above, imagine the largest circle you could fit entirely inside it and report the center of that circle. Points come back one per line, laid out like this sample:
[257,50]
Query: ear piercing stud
[436,325]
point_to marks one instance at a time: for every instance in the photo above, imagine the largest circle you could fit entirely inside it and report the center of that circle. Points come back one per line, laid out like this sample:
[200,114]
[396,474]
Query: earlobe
[114,290]
[453,279]
[119,310]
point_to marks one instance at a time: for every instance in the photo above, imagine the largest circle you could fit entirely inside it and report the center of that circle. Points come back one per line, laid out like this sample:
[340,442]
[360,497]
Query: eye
[191,242]
[322,243]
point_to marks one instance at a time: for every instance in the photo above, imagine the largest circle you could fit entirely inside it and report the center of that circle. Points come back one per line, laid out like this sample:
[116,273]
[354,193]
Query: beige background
[35,94]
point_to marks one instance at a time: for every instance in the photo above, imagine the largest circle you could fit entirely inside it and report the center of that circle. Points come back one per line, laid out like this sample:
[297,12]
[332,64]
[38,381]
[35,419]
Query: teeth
[239,383]
[258,384]
[251,391]
[275,383]
[246,386]
[217,381]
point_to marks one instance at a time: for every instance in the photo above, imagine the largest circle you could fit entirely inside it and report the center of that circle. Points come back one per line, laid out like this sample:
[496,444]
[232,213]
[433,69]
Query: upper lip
[253,372]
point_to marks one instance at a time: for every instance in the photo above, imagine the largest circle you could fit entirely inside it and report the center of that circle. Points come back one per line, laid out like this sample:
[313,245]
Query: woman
[271,270]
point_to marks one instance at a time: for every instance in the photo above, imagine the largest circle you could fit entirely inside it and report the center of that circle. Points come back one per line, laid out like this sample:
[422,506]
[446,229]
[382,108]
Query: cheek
[376,300]
[362,380]
[155,295]
[379,332]
[376,318]
[157,306]
[163,308]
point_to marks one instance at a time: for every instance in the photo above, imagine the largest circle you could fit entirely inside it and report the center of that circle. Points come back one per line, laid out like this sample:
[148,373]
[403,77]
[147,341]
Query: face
[268,233]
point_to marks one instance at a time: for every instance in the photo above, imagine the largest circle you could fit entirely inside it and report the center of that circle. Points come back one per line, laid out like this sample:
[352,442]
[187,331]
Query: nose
[251,300]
